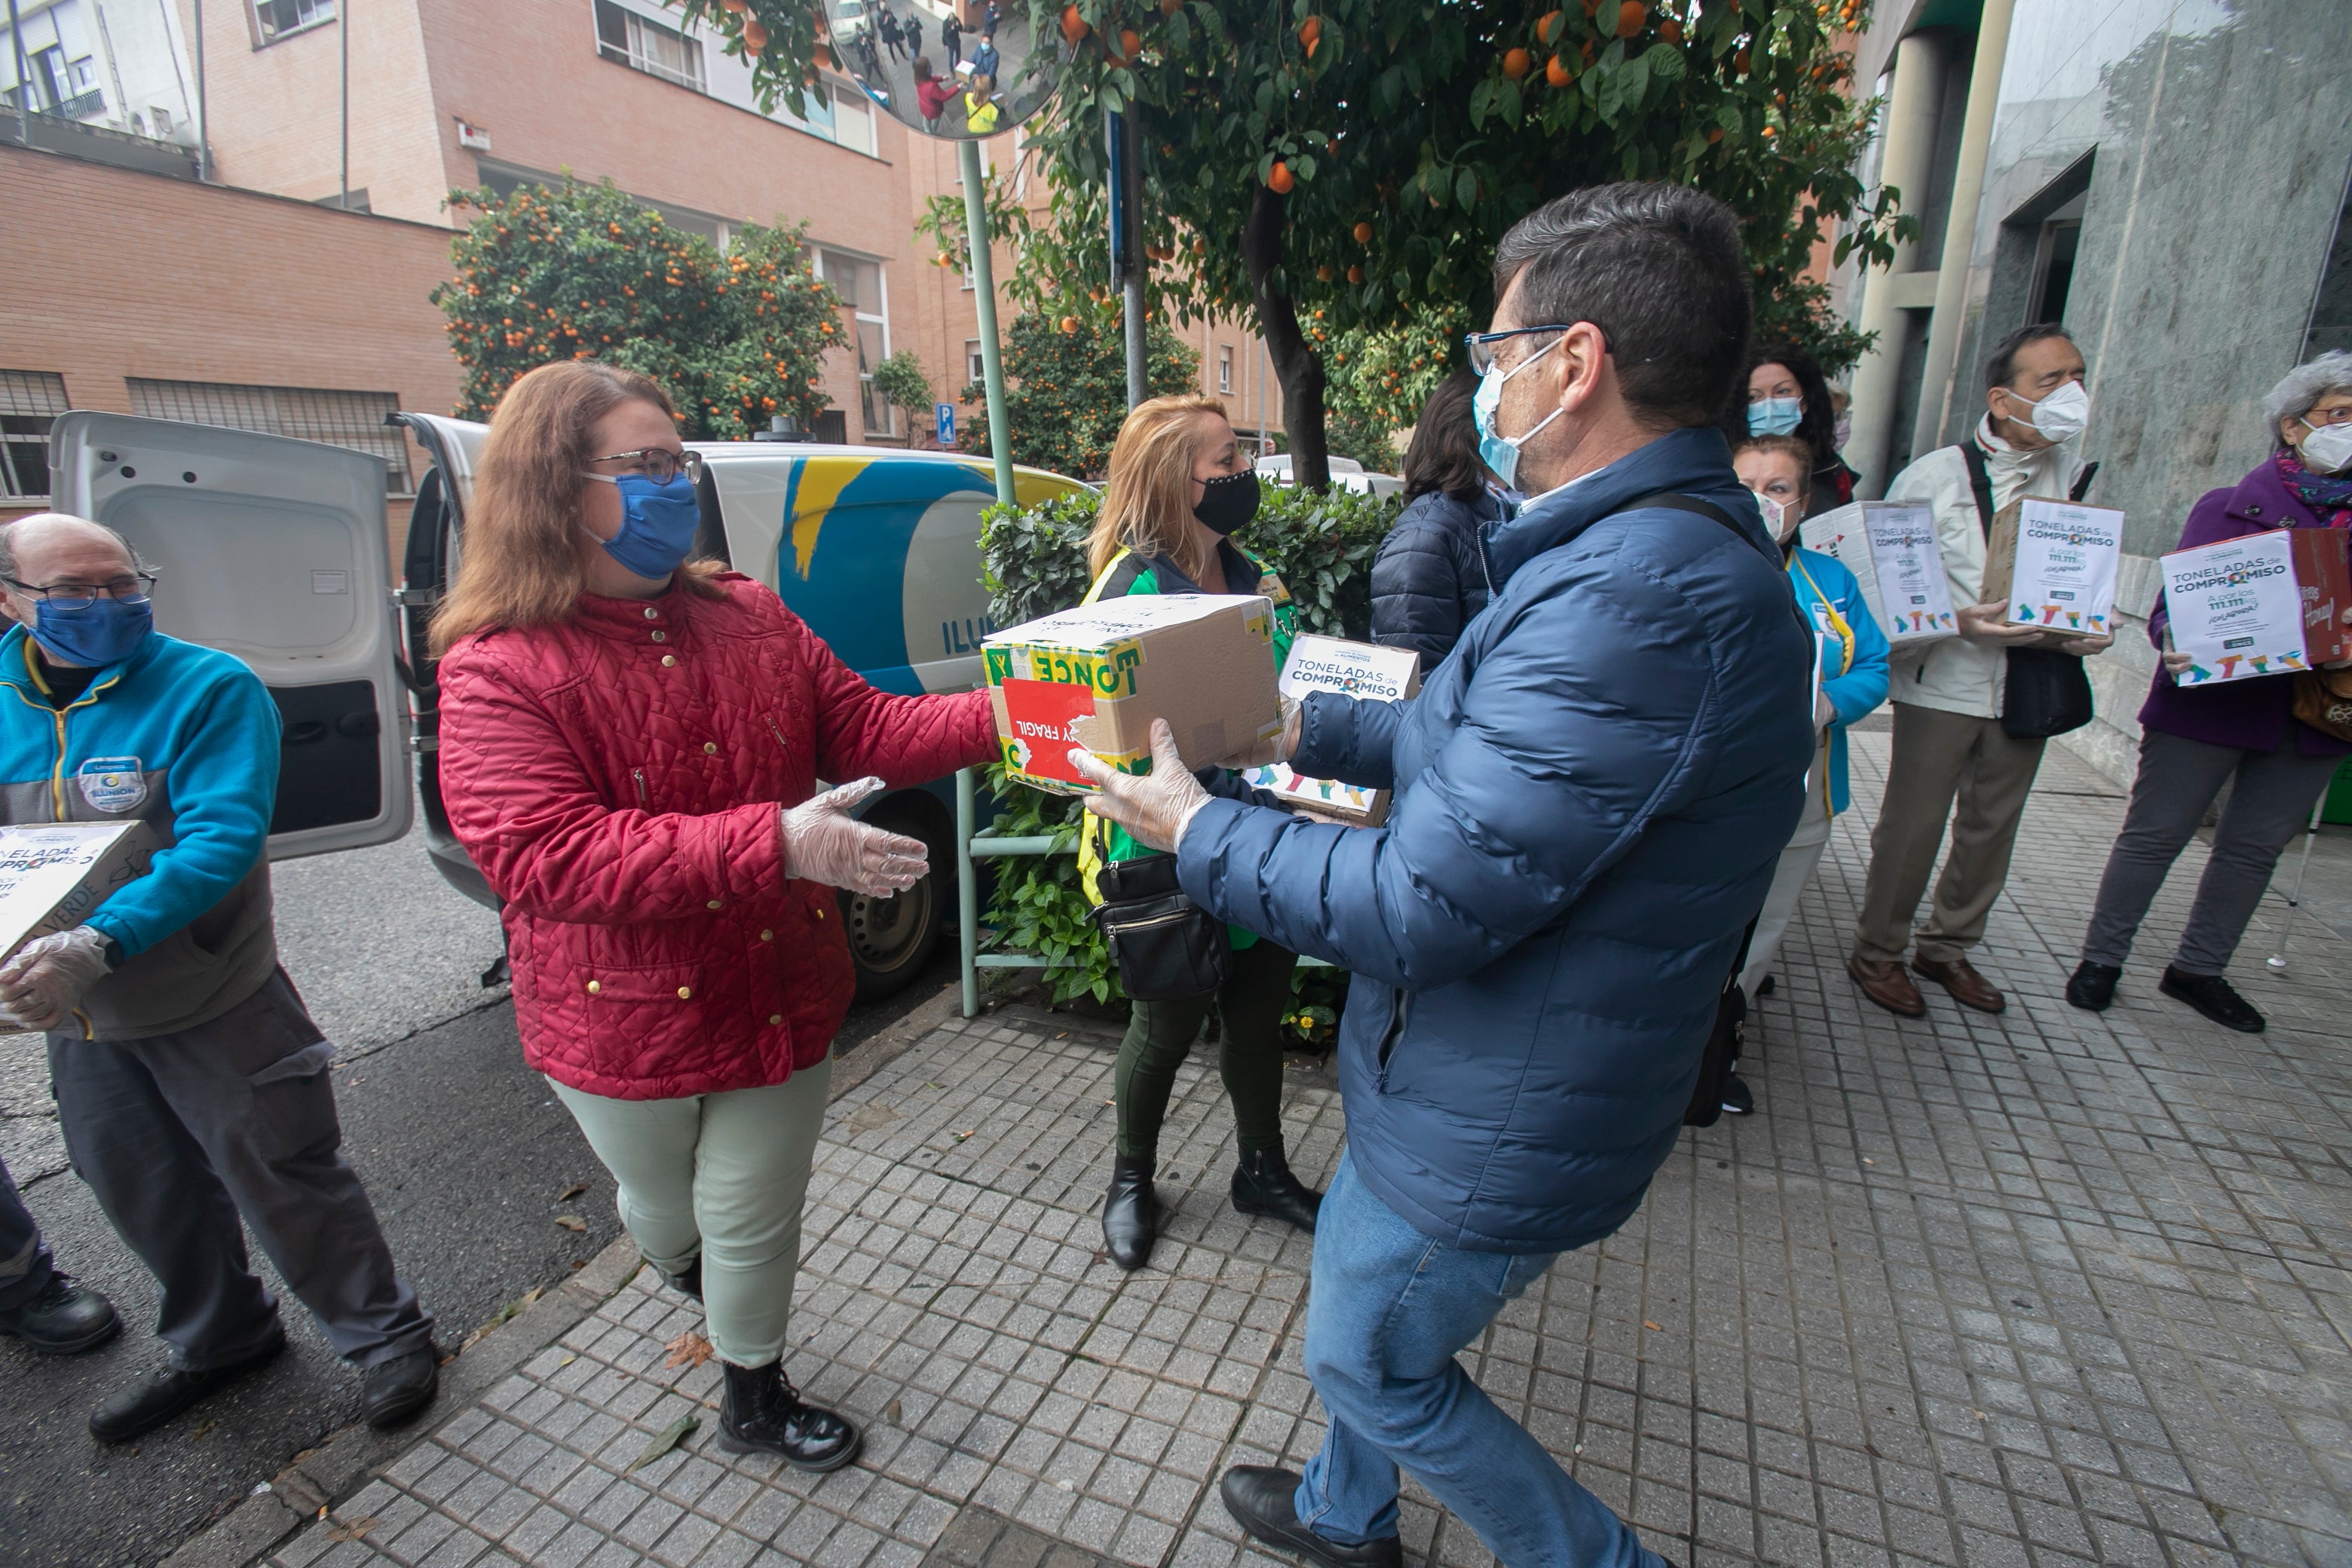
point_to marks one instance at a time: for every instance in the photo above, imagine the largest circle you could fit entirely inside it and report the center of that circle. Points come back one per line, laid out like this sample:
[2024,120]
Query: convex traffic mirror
[957,71]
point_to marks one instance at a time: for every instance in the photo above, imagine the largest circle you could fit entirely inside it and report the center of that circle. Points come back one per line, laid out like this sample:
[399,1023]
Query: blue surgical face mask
[1775,415]
[102,633]
[1500,453]
[658,523]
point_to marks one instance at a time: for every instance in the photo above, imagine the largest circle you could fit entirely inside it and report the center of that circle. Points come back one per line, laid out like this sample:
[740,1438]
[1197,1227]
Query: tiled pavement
[2043,1289]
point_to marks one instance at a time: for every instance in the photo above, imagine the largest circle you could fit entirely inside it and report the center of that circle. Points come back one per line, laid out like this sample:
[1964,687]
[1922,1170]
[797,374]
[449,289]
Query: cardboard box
[1891,548]
[1360,669]
[2053,563]
[54,875]
[2269,604]
[1097,676]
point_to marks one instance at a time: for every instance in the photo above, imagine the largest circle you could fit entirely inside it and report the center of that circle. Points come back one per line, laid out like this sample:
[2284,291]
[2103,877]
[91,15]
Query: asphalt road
[463,1151]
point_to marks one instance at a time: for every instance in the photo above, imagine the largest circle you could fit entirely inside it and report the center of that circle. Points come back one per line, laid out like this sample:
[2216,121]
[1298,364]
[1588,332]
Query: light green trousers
[722,1175]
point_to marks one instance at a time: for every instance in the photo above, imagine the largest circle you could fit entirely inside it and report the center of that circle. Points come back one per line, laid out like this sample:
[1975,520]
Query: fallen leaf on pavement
[201,1430]
[570,1222]
[353,1529]
[688,1349]
[573,1191]
[891,1413]
[663,1442]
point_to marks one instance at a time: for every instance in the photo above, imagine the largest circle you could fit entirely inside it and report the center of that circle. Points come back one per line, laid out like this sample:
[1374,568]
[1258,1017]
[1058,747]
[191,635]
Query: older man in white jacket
[1949,745]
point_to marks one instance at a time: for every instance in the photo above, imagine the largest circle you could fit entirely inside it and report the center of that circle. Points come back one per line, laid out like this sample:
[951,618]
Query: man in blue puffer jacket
[1591,792]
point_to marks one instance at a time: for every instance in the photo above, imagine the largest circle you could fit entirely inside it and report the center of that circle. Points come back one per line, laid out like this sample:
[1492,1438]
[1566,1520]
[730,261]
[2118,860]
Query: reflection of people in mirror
[996,15]
[931,95]
[951,40]
[915,34]
[984,58]
[980,109]
[893,38]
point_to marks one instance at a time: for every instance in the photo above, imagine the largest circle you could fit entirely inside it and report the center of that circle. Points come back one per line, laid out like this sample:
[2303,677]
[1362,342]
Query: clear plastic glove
[823,843]
[1155,808]
[1991,624]
[48,977]
[1278,747]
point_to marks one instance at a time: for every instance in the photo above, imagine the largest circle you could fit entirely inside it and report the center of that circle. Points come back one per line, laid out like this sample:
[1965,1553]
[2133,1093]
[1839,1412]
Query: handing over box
[2270,604]
[1352,669]
[54,875]
[2052,565]
[1096,677]
[1891,548]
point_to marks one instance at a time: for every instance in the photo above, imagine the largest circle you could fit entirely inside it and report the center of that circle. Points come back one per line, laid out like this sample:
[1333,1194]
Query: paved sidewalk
[2041,1290]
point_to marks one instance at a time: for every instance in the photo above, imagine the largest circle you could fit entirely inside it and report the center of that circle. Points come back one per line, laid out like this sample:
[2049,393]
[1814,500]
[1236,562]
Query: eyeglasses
[131,590]
[658,464]
[1481,344]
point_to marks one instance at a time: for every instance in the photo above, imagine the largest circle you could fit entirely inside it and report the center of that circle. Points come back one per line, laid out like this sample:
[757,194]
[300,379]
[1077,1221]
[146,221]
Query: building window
[30,401]
[1224,367]
[859,283]
[353,419]
[647,44]
[276,20]
[975,368]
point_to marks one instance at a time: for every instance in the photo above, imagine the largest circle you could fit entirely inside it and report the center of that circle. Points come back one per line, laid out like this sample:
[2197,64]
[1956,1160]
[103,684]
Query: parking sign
[943,416]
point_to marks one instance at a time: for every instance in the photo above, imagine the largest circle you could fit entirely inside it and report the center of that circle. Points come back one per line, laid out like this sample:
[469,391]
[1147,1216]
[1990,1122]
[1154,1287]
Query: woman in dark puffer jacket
[1430,578]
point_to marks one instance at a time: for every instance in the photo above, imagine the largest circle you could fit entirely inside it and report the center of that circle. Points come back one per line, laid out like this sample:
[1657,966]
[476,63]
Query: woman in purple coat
[2194,739]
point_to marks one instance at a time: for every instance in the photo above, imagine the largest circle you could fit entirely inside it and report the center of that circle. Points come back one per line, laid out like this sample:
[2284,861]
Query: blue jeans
[1390,1309]
[25,1263]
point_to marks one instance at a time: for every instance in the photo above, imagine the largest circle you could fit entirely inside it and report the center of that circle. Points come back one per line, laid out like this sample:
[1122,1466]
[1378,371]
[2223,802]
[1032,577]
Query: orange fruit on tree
[755,36]
[1544,25]
[1129,44]
[1325,273]
[1069,324]
[1310,33]
[1516,63]
[1170,7]
[1364,234]
[1355,275]
[1281,180]
[1556,72]
[735,5]
[1740,62]
[1671,30]
[1073,26]
[1631,15]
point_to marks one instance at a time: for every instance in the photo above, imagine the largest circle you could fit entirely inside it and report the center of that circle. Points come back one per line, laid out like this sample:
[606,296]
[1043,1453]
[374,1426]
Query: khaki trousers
[1943,760]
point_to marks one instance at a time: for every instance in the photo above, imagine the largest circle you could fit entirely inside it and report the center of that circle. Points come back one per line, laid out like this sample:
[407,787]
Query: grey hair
[2299,389]
[8,568]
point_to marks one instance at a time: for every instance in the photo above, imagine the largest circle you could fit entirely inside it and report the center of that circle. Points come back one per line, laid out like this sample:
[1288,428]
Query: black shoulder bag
[1165,945]
[2047,692]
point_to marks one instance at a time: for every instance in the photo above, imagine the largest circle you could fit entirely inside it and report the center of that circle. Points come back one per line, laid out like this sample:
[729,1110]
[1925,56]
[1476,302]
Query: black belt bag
[1165,945]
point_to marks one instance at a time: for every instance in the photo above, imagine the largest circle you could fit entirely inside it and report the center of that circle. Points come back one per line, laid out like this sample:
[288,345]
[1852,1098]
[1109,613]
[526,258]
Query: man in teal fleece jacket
[190,1083]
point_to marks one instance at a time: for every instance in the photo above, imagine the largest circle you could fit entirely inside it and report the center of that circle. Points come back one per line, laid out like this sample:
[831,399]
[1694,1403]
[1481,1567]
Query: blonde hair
[1147,505]
[522,563]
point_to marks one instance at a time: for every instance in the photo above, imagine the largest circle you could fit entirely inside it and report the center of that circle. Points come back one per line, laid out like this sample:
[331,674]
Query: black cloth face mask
[1228,503]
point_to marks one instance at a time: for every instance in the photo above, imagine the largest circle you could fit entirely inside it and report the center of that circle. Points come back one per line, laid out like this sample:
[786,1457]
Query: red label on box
[2324,577]
[1042,713]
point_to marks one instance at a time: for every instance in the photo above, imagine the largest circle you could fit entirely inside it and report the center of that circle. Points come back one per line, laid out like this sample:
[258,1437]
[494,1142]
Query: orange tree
[1341,165]
[579,272]
[1065,387]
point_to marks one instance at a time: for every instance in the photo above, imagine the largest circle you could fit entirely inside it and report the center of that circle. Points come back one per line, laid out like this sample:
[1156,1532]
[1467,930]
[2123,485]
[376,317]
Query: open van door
[276,551]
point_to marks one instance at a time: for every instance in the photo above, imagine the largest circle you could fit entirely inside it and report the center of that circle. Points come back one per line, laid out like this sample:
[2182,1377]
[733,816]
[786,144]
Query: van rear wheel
[891,940]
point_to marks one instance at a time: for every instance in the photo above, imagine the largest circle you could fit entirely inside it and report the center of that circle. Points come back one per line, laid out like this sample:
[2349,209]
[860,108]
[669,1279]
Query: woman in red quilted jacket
[630,746]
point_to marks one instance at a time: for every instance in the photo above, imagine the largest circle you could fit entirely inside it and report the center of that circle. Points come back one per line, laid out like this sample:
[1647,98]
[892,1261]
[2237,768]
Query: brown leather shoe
[1968,988]
[1887,984]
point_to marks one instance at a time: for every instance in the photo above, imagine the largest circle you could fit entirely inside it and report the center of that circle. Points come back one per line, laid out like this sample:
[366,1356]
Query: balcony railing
[81,103]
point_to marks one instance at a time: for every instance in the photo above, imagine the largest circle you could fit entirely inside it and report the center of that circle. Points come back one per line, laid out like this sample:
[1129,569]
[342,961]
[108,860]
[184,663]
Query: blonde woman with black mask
[1180,487]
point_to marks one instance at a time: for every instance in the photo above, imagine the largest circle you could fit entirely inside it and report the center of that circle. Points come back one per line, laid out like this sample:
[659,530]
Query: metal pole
[2294,900]
[967,893]
[204,115]
[343,37]
[983,284]
[1130,254]
[23,75]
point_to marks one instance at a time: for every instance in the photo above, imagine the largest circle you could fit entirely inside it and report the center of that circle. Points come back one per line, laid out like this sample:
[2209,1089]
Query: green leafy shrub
[1034,561]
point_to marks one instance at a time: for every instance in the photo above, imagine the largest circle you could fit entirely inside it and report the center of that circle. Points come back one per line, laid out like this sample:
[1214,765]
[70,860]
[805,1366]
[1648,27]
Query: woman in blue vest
[1779,470]
[1179,487]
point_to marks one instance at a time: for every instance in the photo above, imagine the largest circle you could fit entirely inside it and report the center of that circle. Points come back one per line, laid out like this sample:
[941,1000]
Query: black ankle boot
[688,1281]
[1130,1213]
[1262,1185]
[761,1414]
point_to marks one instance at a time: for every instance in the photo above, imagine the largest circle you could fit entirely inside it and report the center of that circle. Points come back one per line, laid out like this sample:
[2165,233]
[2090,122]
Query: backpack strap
[1980,482]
